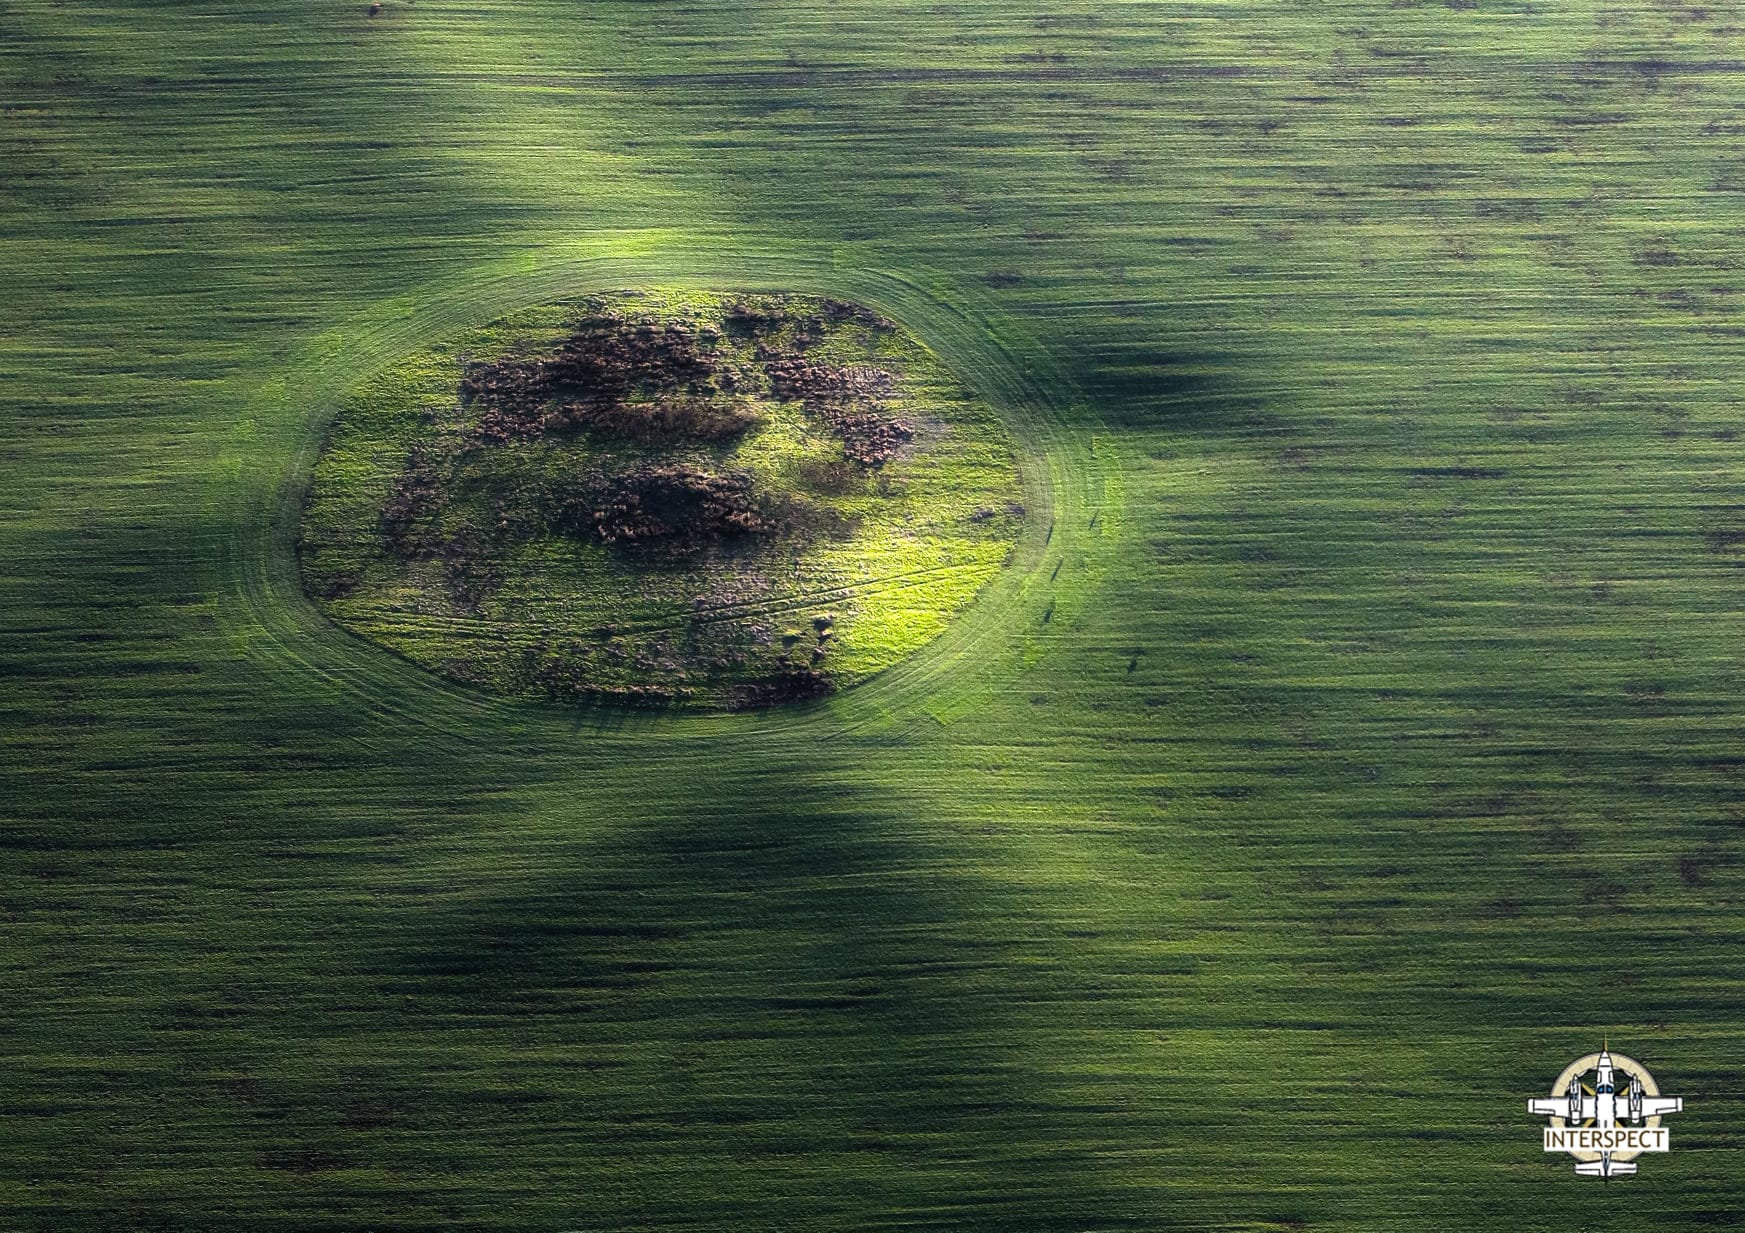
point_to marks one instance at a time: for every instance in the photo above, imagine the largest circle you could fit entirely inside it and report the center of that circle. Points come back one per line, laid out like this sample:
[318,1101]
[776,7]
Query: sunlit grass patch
[662,498]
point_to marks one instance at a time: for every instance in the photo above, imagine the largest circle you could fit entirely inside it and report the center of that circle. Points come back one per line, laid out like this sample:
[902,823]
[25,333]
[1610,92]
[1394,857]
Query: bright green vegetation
[813,538]
[1362,742]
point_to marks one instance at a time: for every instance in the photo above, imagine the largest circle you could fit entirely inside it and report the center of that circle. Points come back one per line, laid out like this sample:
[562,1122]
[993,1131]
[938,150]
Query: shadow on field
[780,1001]
[1141,382]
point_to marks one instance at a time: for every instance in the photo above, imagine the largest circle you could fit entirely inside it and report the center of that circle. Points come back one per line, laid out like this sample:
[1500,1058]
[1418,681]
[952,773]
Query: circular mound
[662,498]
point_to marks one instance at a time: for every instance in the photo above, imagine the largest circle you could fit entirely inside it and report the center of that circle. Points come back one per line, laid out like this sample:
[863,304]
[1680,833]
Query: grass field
[661,525]
[1354,738]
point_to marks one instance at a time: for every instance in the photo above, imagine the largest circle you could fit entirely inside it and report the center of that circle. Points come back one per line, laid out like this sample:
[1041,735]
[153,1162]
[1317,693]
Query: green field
[1353,738]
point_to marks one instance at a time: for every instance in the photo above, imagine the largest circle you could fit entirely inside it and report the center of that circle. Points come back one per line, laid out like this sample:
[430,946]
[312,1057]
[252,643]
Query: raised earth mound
[662,499]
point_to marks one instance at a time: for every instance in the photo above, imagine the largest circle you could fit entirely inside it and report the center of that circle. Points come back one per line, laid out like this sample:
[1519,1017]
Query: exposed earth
[662,499]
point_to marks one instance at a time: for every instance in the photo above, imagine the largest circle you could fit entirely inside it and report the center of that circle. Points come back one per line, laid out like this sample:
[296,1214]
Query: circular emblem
[1605,1110]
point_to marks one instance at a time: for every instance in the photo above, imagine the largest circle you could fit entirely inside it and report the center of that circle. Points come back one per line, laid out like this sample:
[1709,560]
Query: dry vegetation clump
[851,399]
[470,566]
[671,505]
[633,379]
[745,320]
[668,419]
[417,490]
[570,676]
[793,683]
[660,384]
[840,312]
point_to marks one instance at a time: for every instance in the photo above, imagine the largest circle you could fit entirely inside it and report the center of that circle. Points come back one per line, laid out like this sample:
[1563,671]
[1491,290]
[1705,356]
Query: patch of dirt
[633,379]
[673,506]
[569,676]
[791,684]
[851,399]
[415,493]
[662,384]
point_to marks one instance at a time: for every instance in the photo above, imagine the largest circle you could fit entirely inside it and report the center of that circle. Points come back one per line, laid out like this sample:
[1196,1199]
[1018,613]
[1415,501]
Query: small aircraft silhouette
[1605,1108]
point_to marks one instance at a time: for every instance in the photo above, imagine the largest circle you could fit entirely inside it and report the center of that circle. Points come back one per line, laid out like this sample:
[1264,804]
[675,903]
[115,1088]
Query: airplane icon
[1606,1107]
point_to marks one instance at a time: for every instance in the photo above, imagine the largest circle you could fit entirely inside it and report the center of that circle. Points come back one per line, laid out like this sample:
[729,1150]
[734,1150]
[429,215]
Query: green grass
[1353,739]
[868,560]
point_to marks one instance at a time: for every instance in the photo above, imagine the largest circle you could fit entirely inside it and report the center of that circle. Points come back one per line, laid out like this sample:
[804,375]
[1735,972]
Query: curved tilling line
[272,454]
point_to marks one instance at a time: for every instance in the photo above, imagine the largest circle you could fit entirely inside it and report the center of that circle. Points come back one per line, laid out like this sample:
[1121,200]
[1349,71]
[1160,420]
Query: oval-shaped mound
[662,498]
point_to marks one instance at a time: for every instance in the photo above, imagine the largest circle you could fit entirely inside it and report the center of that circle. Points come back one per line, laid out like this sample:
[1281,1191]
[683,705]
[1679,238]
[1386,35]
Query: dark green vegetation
[1364,741]
[652,499]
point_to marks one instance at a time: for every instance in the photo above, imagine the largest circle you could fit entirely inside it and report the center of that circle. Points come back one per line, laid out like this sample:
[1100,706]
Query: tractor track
[1068,485]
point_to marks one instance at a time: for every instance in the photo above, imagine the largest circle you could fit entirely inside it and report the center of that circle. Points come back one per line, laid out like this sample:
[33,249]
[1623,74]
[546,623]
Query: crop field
[1347,734]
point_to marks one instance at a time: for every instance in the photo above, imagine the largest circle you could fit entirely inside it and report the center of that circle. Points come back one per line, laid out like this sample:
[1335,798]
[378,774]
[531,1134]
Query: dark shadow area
[767,1002]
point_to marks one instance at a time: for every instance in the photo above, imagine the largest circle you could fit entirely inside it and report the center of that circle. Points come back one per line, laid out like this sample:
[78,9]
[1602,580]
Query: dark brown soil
[851,399]
[792,684]
[652,384]
[417,489]
[569,677]
[672,506]
[628,378]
